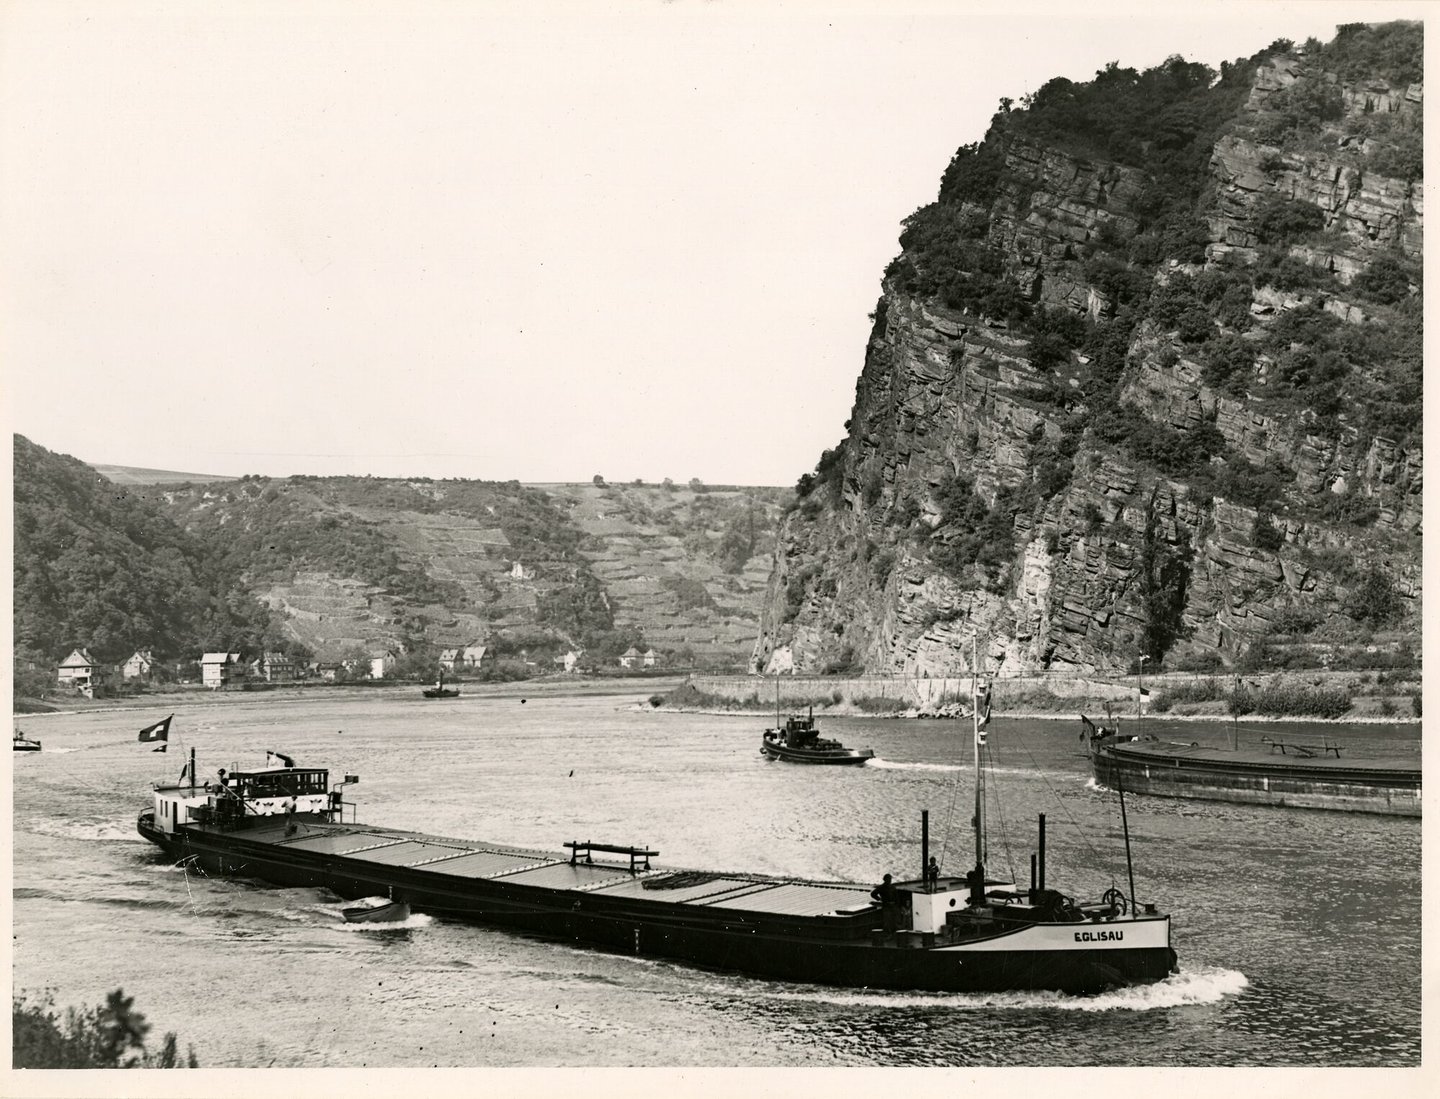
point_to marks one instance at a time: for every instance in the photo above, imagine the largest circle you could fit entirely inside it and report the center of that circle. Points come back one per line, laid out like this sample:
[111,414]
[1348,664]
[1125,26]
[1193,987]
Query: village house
[382,665]
[629,657]
[140,666]
[219,670]
[462,657]
[81,671]
[274,668]
[648,658]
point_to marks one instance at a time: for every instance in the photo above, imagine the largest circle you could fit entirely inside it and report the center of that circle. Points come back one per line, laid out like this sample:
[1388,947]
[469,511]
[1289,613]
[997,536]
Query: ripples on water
[1298,932]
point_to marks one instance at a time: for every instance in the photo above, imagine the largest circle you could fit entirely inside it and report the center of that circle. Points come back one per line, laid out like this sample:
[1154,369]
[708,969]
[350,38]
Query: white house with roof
[219,670]
[382,665]
[629,657]
[462,657]
[648,658]
[140,666]
[274,668]
[81,671]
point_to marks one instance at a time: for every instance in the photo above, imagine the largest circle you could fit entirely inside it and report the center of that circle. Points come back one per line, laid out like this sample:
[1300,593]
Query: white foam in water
[416,919]
[80,830]
[892,765]
[1204,985]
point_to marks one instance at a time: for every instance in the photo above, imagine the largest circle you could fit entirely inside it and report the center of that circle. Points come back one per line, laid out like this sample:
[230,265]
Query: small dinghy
[376,910]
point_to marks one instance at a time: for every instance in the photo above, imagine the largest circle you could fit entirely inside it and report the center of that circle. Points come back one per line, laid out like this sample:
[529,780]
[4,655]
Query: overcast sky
[535,241]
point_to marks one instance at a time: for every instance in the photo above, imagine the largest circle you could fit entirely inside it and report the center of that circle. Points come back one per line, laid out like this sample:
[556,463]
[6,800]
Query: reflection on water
[1298,931]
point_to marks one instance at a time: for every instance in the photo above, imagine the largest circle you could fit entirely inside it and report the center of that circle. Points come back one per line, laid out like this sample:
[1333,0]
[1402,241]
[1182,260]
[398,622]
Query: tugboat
[440,690]
[24,744]
[798,741]
[288,825]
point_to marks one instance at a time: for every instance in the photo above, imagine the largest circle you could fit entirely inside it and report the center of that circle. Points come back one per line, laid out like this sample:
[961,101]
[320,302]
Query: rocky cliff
[1143,382]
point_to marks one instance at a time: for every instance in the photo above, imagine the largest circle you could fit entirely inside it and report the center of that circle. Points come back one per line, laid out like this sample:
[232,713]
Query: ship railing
[1304,751]
[635,853]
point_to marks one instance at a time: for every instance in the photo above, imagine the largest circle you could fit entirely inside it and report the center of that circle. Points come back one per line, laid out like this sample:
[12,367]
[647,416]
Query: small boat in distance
[376,910]
[24,744]
[440,690]
[799,741]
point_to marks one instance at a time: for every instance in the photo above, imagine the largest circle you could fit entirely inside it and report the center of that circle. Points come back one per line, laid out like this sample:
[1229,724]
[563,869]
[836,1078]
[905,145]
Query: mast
[977,888]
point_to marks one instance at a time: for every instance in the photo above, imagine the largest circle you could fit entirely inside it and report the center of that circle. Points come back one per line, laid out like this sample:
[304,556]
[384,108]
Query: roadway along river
[1298,931]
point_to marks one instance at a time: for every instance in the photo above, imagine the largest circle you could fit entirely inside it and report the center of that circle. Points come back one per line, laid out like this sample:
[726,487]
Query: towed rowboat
[376,910]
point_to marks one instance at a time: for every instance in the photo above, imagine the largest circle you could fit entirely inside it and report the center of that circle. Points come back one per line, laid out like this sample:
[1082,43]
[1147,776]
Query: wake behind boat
[799,741]
[936,932]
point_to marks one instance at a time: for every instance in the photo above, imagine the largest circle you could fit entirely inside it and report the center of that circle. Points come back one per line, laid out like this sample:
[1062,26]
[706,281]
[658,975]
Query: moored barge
[1307,780]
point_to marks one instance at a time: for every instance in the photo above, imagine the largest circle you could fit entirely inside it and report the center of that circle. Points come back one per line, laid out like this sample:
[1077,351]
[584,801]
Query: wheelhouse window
[282,784]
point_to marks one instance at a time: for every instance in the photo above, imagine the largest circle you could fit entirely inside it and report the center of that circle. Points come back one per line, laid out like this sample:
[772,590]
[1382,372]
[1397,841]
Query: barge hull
[848,951]
[1301,787]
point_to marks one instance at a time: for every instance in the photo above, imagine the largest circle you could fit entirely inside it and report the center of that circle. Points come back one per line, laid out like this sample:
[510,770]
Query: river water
[1298,931]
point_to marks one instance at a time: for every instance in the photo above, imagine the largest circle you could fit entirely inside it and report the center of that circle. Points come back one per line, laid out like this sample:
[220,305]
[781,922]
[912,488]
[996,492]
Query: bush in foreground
[109,1035]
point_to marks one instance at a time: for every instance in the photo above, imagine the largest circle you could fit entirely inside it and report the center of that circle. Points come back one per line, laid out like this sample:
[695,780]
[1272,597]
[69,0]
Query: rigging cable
[999,810]
[1055,794]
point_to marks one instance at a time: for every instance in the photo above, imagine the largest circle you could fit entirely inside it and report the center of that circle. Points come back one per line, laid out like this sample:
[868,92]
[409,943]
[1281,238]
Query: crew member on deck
[932,875]
[886,894]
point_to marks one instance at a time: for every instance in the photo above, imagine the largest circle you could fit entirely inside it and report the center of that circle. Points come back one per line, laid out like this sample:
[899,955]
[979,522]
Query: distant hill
[100,567]
[354,565]
[336,567]
[134,475]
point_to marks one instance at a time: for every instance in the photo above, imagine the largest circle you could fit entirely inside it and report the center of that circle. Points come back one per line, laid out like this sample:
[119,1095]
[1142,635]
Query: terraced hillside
[686,569]
[358,566]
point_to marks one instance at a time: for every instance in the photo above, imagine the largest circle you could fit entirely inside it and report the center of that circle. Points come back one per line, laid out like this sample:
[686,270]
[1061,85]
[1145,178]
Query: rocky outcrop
[1101,543]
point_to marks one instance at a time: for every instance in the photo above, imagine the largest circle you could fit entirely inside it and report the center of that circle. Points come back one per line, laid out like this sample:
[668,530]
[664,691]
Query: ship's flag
[159,731]
[160,749]
[1088,728]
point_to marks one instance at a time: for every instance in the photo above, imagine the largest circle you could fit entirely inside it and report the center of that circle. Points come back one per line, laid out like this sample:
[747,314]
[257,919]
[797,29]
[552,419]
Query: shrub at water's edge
[108,1035]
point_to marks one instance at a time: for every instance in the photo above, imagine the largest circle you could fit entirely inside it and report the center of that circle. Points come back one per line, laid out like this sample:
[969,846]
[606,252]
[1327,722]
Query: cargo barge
[291,826]
[1299,776]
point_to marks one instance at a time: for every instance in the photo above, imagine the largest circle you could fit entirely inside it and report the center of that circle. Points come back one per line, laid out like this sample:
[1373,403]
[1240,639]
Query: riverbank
[550,686]
[1350,698]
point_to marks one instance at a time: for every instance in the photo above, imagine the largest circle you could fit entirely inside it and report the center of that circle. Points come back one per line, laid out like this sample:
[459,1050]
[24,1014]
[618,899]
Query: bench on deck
[1304,751]
[577,846]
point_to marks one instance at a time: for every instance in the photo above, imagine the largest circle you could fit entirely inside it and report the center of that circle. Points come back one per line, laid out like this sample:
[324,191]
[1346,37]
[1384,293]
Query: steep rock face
[1112,544]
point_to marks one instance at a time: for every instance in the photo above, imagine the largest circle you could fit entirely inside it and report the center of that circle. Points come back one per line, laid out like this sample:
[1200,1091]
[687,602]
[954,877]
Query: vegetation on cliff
[1181,311]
